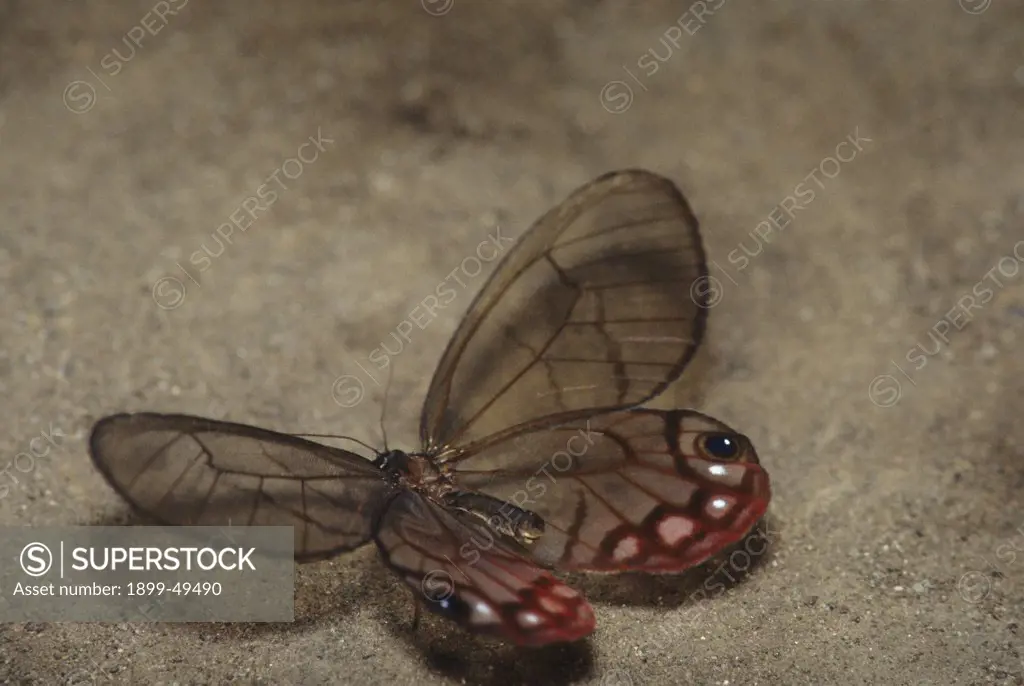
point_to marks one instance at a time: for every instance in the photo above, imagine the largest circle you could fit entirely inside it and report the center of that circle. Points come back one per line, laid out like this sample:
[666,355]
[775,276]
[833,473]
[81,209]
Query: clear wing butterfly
[535,456]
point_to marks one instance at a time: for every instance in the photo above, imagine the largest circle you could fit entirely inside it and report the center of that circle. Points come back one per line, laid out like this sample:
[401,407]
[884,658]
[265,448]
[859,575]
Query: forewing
[183,470]
[471,577]
[635,490]
[590,311]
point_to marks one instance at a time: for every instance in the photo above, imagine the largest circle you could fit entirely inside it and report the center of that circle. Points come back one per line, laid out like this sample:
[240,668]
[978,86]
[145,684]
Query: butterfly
[535,453]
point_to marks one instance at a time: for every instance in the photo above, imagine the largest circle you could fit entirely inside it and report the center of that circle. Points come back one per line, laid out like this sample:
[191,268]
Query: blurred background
[857,169]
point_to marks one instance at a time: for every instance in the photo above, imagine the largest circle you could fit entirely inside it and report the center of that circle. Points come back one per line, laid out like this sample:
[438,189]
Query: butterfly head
[392,461]
[399,465]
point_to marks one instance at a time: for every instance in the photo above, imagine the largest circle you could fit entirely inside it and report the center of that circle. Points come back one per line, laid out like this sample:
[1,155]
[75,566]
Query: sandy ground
[896,534]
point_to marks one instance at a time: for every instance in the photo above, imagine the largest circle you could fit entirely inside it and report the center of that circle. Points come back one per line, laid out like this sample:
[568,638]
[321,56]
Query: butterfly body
[501,517]
[535,453]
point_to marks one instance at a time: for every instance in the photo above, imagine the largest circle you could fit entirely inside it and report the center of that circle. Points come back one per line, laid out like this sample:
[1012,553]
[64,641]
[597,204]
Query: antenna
[384,405]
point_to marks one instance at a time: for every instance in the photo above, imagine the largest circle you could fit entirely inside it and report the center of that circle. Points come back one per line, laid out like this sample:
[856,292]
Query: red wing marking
[476,580]
[641,493]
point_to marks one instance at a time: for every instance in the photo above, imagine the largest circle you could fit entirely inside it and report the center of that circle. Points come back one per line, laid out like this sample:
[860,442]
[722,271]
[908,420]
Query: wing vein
[152,458]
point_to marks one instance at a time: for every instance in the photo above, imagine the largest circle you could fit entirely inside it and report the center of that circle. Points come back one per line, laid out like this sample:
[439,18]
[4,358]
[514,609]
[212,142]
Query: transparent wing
[182,470]
[638,490]
[474,579]
[590,311]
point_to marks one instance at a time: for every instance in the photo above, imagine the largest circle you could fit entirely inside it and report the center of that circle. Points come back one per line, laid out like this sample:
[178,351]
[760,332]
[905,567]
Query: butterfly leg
[415,612]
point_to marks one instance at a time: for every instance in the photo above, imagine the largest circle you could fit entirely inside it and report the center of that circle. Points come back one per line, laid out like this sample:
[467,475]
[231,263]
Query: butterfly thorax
[412,470]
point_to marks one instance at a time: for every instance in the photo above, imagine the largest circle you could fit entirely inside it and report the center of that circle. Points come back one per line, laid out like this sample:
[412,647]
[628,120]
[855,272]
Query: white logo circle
[36,559]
